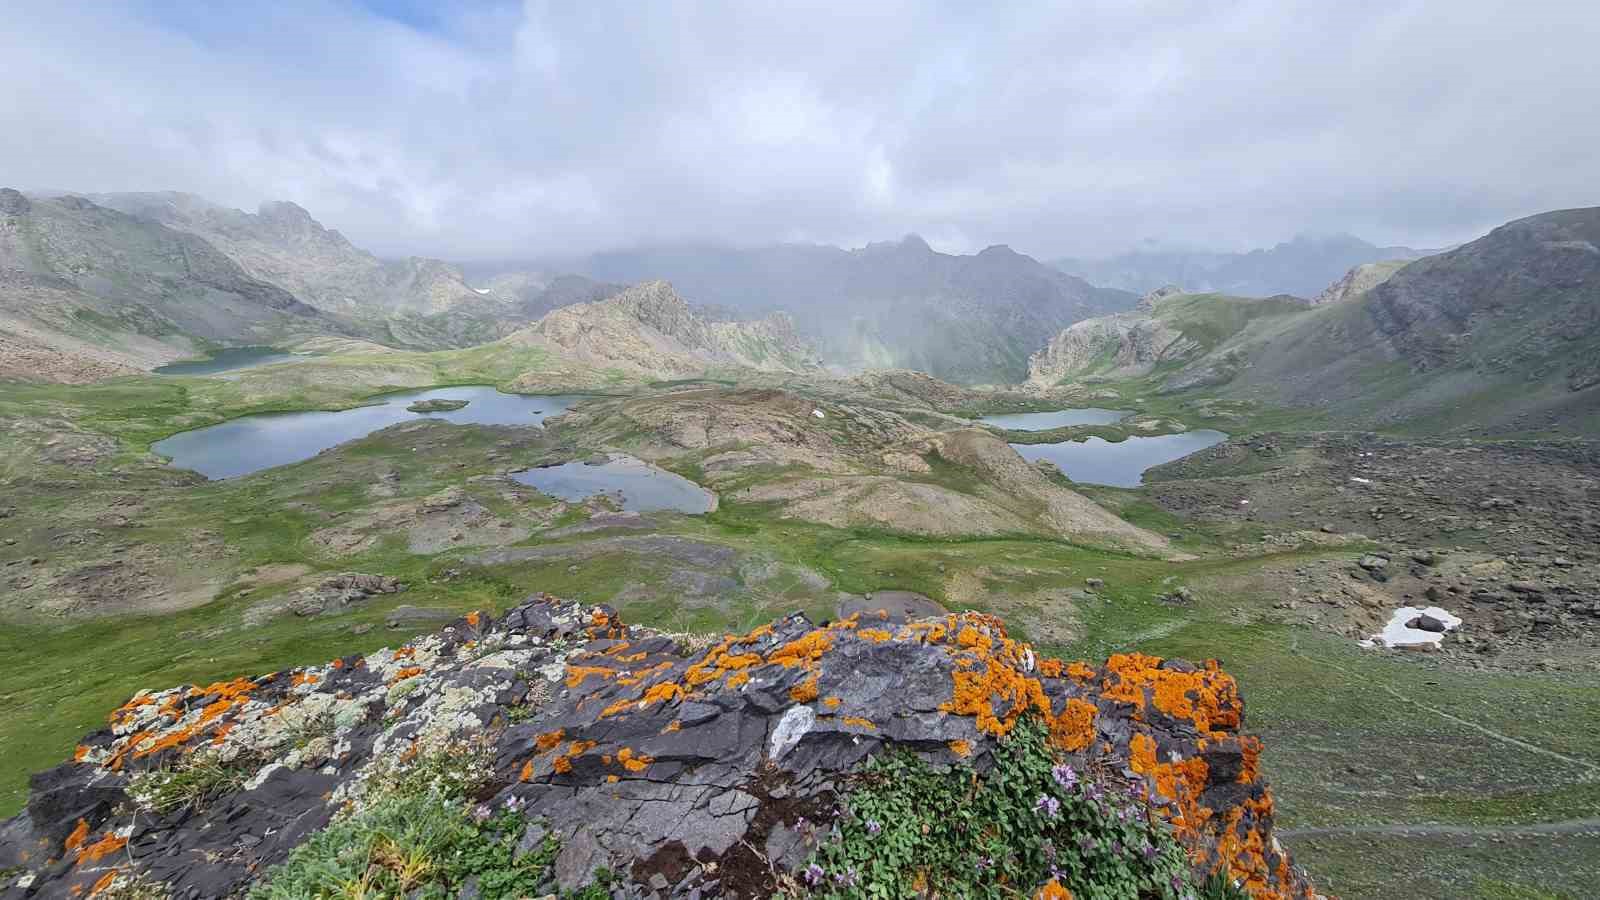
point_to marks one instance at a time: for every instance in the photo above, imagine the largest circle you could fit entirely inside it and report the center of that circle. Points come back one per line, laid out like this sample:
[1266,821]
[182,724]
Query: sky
[484,130]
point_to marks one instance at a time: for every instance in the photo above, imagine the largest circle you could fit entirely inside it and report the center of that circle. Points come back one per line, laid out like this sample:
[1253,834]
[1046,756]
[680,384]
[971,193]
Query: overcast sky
[1060,127]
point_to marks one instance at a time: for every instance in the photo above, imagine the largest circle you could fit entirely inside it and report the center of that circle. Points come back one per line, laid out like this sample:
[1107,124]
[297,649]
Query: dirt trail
[1569,826]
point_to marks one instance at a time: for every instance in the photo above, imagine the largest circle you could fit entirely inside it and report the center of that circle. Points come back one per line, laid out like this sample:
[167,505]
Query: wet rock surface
[666,767]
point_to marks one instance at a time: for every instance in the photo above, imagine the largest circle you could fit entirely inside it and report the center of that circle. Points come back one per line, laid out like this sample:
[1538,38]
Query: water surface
[633,483]
[1044,421]
[252,443]
[228,360]
[1123,463]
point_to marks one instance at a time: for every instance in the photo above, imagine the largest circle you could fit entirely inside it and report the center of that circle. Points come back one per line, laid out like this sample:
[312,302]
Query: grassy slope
[1321,703]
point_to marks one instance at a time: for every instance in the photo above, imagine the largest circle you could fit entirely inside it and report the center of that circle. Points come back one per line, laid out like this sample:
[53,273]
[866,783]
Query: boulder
[684,773]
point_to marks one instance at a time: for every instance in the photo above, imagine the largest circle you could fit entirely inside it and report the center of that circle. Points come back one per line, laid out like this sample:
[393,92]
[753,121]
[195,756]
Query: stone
[683,780]
[1427,623]
[1095,584]
[1373,562]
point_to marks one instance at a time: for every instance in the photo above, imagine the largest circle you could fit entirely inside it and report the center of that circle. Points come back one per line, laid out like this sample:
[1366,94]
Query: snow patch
[1396,634]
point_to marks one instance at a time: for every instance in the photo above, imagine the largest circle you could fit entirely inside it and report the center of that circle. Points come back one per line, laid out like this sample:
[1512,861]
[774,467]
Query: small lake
[1120,464]
[228,360]
[633,483]
[252,443]
[1044,421]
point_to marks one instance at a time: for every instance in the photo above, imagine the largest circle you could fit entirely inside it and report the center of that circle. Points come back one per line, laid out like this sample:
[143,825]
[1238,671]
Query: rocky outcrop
[684,773]
[649,330]
[1358,281]
[1125,346]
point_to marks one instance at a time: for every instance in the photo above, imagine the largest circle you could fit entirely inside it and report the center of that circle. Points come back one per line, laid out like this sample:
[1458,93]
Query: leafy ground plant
[420,846]
[196,782]
[1030,826]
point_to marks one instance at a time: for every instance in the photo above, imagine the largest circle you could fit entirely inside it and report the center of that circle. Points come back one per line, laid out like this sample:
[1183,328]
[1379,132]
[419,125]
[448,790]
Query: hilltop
[554,747]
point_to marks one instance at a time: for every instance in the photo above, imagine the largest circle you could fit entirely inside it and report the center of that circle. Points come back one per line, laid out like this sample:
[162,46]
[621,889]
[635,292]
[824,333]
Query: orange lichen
[737,680]
[405,653]
[1073,730]
[858,722]
[1250,749]
[107,845]
[78,836]
[831,702]
[407,672]
[634,762]
[764,631]
[805,691]
[165,742]
[1080,670]
[473,618]
[959,747]
[612,779]
[802,650]
[563,763]
[548,741]
[1208,698]
[577,674]
[672,726]
[875,635]
[79,753]
[303,678]
[1180,782]
[1050,668]
[663,692]
[1052,890]
[527,771]
[103,883]
[617,707]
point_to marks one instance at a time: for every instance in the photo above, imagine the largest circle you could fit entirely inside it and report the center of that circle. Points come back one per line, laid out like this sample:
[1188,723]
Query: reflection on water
[1044,421]
[1123,463]
[252,443]
[633,483]
[228,360]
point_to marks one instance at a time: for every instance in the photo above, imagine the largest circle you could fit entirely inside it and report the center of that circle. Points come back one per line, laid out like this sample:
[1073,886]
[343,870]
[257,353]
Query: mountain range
[1302,267]
[1500,335]
[898,304]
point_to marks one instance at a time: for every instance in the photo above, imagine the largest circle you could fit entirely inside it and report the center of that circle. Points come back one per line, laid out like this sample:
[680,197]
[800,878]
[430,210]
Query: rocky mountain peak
[13,203]
[1149,301]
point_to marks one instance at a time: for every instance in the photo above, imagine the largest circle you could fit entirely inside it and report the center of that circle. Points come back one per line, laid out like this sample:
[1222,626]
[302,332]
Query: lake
[633,483]
[228,360]
[1123,463]
[252,443]
[1044,421]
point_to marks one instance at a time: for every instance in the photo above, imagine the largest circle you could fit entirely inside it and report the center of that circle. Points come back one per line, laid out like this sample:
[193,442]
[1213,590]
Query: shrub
[1029,826]
[415,845]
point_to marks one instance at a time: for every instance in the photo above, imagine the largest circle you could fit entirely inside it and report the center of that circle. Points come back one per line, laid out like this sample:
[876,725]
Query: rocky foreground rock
[684,768]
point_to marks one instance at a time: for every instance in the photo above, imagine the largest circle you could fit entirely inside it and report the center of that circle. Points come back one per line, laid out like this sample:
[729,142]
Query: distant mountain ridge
[87,291]
[1500,335]
[1302,267]
[648,330]
[898,304]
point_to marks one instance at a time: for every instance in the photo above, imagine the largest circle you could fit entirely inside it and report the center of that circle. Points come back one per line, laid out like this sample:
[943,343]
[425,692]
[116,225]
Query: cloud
[501,130]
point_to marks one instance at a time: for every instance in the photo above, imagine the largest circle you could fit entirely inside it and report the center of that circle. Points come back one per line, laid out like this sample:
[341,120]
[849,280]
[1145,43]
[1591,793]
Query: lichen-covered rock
[665,764]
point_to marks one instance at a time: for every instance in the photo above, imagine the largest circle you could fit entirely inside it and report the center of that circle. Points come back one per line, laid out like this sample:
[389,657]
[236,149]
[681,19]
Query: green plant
[415,846]
[907,829]
[197,781]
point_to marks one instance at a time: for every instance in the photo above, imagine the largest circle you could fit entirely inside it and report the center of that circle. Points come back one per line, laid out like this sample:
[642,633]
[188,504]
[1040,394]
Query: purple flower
[814,874]
[1149,851]
[984,864]
[1085,844]
[1177,883]
[1065,775]
[873,827]
[514,803]
[845,879]
[481,812]
[1048,805]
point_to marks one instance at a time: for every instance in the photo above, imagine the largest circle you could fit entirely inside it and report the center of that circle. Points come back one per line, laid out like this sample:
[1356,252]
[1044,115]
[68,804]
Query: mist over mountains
[1303,267]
